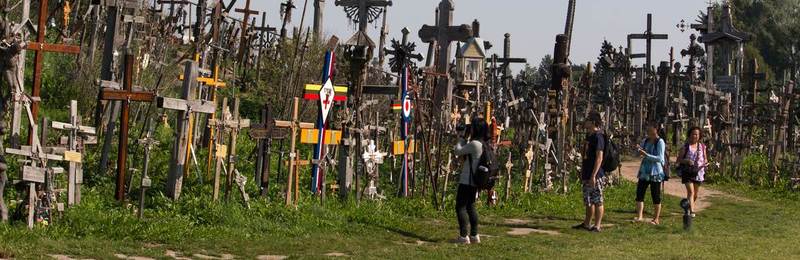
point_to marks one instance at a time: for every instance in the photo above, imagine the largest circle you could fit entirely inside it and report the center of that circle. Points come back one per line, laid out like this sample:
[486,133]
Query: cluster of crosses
[217,50]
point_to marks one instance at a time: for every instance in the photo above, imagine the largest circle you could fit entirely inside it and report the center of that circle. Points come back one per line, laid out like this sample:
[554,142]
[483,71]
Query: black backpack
[487,173]
[611,160]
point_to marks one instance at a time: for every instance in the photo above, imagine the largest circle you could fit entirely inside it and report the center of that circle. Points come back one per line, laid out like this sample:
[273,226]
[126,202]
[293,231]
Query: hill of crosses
[374,129]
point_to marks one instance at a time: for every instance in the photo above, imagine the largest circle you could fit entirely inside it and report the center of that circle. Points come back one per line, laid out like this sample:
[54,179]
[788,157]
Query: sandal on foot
[581,226]
[595,229]
[655,222]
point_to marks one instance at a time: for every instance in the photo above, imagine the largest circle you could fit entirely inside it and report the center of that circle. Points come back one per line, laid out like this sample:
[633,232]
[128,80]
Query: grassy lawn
[763,227]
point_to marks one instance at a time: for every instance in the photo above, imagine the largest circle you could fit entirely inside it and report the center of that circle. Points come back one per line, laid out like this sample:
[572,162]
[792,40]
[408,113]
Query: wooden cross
[35,169]
[247,12]
[293,126]
[529,158]
[363,11]
[509,164]
[78,135]
[40,47]
[649,36]
[231,123]
[126,95]
[182,147]
[755,77]
[443,33]
[263,133]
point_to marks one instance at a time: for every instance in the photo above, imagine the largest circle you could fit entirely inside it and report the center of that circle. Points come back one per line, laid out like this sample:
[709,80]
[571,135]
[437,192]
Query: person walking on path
[651,173]
[692,163]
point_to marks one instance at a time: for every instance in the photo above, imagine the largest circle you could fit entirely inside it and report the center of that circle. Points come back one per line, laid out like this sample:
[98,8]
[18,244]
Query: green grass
[765,227]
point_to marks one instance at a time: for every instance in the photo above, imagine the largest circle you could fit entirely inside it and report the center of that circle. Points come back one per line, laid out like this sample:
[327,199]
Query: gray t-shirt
[472,149]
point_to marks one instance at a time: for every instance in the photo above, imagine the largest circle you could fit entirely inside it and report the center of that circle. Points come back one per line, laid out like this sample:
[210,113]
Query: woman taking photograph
[651,173]
[692,163]
[467,192]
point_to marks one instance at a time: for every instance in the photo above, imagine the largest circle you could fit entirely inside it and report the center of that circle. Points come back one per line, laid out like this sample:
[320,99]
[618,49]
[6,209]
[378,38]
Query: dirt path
[674,187]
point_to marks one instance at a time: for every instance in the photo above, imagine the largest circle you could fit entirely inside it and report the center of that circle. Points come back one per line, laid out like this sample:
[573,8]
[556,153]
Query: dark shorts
[690,180]
[593,196]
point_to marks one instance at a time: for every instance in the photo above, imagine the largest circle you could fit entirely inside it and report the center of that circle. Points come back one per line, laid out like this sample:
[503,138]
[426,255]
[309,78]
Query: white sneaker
[475,239]
[461,240]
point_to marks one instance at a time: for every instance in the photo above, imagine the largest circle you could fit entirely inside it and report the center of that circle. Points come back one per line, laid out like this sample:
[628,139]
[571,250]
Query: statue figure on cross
[372,160]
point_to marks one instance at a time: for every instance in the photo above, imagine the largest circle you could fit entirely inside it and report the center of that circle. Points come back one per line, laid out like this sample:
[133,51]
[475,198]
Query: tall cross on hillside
[363,12]
[443,34]
[40,47]
[247,12]
[649,36]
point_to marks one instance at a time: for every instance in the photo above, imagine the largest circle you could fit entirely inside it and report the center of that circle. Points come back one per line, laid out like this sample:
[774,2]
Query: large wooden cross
[126,95]
[233,124]
[443,33]
[40,47]
[78,136]
[648,36]
[363,11]
[185,106]
[247,12]
[263,133]
[293,126]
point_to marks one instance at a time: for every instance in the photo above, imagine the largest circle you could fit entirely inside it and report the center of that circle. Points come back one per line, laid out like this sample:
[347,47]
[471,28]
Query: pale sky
[533,24]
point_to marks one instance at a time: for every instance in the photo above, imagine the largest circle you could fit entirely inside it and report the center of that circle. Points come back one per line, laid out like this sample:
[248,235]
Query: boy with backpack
[599,156]
[478,173]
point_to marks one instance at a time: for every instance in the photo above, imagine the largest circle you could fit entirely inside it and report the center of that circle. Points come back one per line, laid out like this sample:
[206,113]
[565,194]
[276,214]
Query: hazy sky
[532,24]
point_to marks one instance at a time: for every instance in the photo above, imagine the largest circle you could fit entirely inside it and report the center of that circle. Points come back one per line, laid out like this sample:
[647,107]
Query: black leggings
[465,210]
[655,191]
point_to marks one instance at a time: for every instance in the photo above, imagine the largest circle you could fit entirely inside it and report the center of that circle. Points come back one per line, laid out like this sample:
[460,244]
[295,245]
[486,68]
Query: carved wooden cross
[232,123]
[40,47]
[363,11]
[509,165]
[648,36]
[756,77]
[443,33]
[77,138]
[528,160]
[185,106]
[126,95]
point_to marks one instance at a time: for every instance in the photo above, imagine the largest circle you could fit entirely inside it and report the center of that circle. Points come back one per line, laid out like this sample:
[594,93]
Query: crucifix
[508,165]
[264,39]
[147,142]
[363,12]
[373,159]
[79,136]
[293,126]
[233,124]
[40,47]
[182,147]
[247,12]
[529,161]
[126,95]
[443,34]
